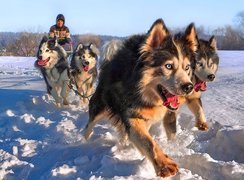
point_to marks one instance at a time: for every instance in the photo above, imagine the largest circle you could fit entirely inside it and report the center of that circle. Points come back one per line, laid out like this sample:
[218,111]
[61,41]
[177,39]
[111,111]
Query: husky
[54,67]
[140,83]
[110,48]
[204,70]
[84,69]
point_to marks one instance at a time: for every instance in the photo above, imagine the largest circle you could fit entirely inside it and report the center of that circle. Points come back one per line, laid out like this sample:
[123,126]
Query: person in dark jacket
[60,31]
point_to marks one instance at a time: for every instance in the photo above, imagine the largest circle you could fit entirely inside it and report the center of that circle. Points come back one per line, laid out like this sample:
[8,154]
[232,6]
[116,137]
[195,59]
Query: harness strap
[76,91]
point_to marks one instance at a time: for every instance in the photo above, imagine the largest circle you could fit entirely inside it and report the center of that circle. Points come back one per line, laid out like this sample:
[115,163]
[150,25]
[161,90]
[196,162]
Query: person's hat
[60,17]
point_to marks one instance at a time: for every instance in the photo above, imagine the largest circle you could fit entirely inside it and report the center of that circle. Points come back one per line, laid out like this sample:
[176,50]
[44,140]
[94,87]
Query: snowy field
[40,141]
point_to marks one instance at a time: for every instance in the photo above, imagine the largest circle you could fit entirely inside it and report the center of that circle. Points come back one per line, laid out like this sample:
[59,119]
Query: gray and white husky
[204,71]
[84,69]
[110,48]
[52,62]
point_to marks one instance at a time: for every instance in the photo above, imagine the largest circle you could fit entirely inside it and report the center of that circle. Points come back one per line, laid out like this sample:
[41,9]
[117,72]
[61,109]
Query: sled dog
[204,70]
[54,68]
[110,48]
[140,83]
[84,69]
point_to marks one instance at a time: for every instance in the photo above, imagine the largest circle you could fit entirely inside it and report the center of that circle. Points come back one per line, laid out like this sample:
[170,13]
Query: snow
[40,141]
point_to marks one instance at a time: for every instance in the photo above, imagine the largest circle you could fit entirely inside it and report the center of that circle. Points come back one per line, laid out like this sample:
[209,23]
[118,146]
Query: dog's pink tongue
[86,68]
[200,86]
[171,100]
[41,62]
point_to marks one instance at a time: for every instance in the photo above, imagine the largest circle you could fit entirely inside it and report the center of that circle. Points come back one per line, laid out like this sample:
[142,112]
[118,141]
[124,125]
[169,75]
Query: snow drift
[40,141]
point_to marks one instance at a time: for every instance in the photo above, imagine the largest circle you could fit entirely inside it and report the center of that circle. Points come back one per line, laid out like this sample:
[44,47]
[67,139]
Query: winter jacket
[62,34]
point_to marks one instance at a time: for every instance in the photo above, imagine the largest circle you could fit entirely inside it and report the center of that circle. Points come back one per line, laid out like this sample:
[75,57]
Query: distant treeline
[26,43]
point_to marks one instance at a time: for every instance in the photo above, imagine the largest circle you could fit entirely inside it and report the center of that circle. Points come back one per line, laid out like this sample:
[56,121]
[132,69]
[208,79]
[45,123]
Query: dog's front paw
[65,102]
[168,169]
[87,134]
[202,126]
[58,105]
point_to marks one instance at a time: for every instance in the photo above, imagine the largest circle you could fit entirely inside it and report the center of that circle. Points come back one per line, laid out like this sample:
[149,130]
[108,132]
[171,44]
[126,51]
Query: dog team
[142,80]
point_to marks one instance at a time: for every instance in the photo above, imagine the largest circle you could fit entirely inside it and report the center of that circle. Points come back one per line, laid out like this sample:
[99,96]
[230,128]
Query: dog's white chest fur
[83,77]
[54,77]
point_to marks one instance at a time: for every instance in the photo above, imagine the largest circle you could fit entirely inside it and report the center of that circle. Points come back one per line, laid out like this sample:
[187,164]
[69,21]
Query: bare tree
[25,45]
[239,20]
[87,39]
[232,39]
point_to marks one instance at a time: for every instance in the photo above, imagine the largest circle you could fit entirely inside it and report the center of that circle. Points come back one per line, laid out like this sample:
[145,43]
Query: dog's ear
[80,46]
[56,41]
[156,36]
[213,42]
[44,39]
[191,37]
[94,49]
[51,43]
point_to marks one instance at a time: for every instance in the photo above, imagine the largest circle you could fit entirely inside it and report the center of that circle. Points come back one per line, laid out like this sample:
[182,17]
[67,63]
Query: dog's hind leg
[97,112]
[169,122]
[93,120]
[140,137]
[195,105]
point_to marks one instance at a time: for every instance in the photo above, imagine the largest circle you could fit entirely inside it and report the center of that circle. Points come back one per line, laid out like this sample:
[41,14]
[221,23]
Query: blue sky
[115,17]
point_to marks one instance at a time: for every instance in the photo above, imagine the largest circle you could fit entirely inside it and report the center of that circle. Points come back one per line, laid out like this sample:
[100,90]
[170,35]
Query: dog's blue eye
[169,66]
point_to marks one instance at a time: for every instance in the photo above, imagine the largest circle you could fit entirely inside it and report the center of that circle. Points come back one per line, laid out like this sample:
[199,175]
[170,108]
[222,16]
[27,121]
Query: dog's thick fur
[134,84]
[110,48]
[84,69]
[204,70]
[52,62]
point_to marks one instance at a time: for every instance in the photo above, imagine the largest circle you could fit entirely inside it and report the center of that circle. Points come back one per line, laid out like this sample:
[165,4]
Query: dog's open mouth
[200,86]
[85,67]
[169,100]
[43,62]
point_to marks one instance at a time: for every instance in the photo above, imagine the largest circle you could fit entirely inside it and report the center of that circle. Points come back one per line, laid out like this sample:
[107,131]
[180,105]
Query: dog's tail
[109,49]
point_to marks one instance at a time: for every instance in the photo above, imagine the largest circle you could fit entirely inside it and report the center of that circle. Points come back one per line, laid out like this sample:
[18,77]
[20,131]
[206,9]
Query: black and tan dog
[140,83]
[204,70]
[84,69]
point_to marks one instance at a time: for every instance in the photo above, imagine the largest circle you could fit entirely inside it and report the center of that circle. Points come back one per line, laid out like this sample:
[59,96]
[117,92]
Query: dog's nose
[86,63]
[40,57]
[187,88]
[211,77]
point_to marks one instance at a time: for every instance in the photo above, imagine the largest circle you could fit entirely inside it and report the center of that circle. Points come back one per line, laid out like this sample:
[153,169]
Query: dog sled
[68,47]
